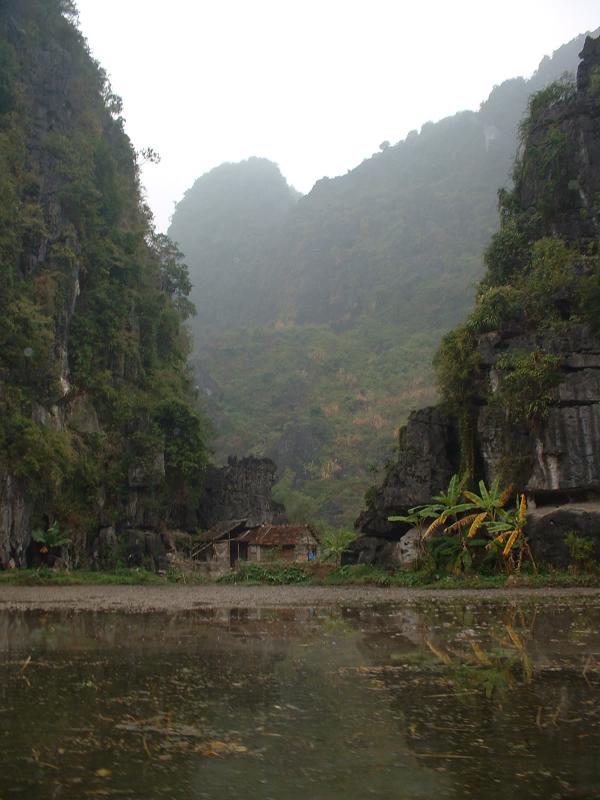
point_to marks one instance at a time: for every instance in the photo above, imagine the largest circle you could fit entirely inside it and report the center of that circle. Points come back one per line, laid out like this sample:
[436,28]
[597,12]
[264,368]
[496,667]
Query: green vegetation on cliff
[543,274]
[93,354]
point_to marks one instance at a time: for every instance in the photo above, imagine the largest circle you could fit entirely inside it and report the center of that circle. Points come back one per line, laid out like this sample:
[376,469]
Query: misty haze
[299,399]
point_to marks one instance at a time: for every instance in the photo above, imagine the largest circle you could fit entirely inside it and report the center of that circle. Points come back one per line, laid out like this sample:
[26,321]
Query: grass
[120,577]
[289,574]
[367,575]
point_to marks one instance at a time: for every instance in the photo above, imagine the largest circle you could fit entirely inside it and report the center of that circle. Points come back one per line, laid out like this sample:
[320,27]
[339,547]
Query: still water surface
[433,700]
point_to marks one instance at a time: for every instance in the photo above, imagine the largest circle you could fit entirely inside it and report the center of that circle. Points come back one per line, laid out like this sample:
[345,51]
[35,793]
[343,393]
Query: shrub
[561,91]
[526,380]
[595,84]
[335,542]
[276,574]
[581,551]
[457,365]
[50,539]
[462,535]
[497,306]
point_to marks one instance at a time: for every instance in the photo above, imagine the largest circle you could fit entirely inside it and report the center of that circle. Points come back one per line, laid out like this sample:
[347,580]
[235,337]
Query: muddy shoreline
[144,599]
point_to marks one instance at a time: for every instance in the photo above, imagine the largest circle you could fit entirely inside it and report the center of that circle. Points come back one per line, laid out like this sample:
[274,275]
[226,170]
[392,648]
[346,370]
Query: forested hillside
[339,300]
[98,426]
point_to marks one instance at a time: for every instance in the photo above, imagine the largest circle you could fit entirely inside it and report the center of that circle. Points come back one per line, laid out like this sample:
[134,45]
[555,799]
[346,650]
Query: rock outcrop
[560,459]
[428,457]
[15,524]
[240,490]
[90,330]
[548,529]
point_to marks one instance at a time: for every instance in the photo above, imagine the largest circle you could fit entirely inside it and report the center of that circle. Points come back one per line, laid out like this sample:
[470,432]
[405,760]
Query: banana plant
[50,539]
[508,532]
[485,507]
[443,507]
[335,542]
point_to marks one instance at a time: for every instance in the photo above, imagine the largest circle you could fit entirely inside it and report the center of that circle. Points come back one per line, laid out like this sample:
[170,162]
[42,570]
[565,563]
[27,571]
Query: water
[432,700]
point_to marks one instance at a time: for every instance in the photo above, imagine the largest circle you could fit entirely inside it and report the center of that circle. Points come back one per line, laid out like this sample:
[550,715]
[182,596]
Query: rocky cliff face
[15,524]
[561,161]
[93,388]
[522,376]
[560,459]
[428,457]
[240,490]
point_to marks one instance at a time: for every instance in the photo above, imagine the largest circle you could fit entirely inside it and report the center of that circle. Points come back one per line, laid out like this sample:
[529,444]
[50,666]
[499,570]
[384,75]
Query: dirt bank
[139,599]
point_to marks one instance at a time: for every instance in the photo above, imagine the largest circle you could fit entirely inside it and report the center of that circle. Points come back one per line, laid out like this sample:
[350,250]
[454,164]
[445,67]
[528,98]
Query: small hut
[276,542]
[214,546]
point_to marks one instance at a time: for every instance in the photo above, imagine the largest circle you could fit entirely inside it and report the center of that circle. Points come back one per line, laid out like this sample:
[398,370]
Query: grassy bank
[50,577]
[294,574]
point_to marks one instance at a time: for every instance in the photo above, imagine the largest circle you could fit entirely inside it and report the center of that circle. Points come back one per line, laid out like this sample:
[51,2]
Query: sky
[314,85]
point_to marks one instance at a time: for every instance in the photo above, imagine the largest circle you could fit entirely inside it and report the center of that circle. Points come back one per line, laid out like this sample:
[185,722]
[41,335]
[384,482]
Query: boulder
[366,550]
[146,549]
[547,529]
[384,552]
[405,553]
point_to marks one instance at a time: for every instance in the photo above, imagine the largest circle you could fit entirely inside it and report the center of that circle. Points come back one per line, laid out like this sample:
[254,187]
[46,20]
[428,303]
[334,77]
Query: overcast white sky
[314,85]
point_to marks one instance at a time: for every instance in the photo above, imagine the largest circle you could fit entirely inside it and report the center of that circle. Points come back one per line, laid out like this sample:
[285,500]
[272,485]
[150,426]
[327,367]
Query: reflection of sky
[313,85]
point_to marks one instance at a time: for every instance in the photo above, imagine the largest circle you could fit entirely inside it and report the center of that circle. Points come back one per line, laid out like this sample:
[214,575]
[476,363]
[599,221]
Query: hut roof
[222,529]
[279,535]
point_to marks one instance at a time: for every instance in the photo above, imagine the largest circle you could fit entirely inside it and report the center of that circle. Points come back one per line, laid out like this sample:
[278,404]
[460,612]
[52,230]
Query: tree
[174,275]
[50,539]
[335,542]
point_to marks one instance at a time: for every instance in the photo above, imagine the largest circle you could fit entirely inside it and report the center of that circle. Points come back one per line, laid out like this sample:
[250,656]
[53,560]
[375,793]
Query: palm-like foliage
[489,501]
[335,542]
[508,533]
[474,520]
[444,506]
[485,508]
[50,539]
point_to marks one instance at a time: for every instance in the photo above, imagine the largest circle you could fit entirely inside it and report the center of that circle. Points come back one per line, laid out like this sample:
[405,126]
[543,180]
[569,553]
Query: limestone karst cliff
[521,377]
[98,424]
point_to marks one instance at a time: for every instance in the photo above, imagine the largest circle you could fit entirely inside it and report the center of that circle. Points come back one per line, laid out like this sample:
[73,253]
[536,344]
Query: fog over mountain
[318,317]
[313,86]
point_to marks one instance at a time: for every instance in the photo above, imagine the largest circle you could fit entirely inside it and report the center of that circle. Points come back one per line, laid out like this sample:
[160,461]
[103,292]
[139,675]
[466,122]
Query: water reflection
[434,699]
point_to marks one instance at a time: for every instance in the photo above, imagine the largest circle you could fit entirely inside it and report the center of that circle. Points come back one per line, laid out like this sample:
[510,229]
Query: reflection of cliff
[484,693]
[274,683]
